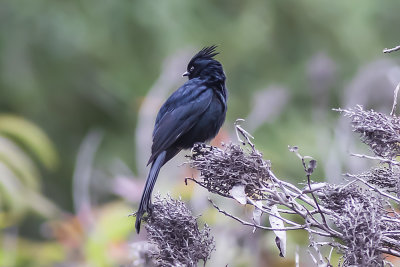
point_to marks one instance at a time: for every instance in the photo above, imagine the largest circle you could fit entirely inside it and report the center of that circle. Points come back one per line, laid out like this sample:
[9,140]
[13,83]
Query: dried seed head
[384,177]
[379,131]
[174,230]
[359,216]
[334,197]
[222,169]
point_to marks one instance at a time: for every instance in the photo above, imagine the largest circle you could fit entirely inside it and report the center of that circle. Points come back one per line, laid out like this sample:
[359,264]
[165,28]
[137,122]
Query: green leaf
[19,162]
[31,137]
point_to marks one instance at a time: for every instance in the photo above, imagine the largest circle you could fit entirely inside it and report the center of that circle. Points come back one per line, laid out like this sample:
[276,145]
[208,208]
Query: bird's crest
[206,53]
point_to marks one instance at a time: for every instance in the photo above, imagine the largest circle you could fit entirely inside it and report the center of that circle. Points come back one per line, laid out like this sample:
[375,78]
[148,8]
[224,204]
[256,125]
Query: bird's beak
[186,73]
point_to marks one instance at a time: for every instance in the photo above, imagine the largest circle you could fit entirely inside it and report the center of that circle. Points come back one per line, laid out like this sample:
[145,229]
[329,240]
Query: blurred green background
[81,82]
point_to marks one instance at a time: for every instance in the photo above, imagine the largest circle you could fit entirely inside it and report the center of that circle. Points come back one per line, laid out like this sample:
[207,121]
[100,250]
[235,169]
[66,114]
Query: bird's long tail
[145,202]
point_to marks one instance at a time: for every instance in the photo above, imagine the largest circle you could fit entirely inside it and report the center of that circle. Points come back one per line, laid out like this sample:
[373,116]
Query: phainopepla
[193,113]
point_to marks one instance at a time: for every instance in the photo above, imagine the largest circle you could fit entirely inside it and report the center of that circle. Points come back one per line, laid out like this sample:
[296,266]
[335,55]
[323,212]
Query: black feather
[207,52]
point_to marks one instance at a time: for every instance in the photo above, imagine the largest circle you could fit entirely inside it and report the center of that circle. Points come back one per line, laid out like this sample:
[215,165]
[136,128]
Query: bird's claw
[133,214]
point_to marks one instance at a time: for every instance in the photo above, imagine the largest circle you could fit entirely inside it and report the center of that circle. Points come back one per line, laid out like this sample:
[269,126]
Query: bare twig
[253,224]
[390,161]
[245,134]
[390,251]
[390,50]
[374,188]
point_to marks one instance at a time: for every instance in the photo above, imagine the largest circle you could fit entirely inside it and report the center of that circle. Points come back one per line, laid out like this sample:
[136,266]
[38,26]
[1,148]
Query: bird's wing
[178,121]
[188,92]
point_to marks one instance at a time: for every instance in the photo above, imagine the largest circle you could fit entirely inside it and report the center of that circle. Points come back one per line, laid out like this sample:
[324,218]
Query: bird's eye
[191,68]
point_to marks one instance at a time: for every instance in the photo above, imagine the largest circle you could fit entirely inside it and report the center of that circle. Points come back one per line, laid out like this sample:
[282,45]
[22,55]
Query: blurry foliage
[71,66]
[105,244]
[31,137]
[33,254]
[21,143]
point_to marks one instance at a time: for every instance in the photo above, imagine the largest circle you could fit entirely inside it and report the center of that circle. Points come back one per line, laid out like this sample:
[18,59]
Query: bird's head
[204,64]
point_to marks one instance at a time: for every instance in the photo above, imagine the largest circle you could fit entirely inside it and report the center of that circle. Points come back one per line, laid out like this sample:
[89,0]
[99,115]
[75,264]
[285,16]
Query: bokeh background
[81,82]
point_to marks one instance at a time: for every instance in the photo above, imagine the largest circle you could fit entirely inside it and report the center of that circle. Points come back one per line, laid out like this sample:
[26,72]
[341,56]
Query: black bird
[194,113]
